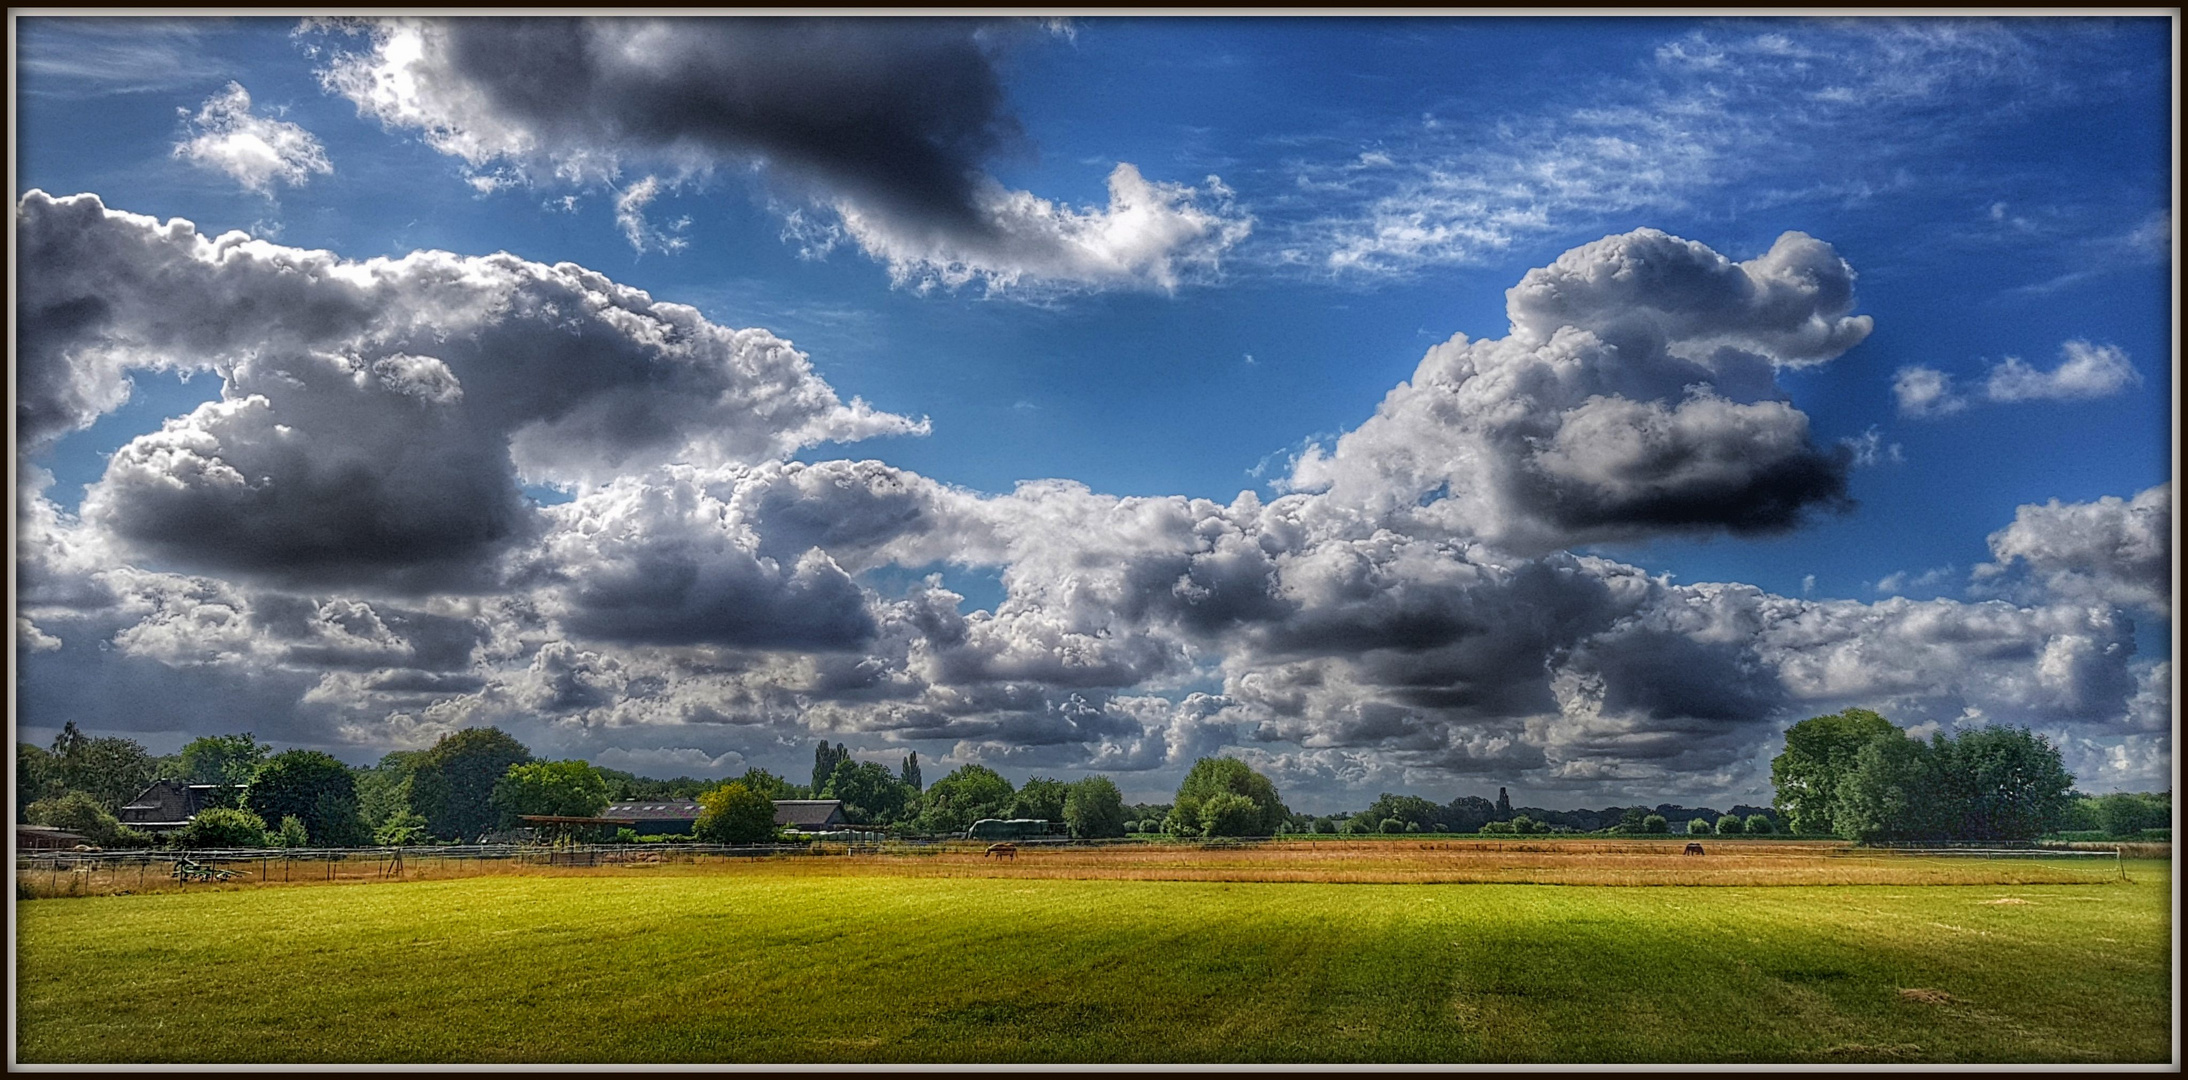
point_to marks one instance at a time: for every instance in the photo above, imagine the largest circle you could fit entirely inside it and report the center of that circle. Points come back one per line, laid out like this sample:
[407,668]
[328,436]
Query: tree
[452,784]
[38,776]
[1759,825]
[222,827]
[226,760]
[825,760]
[1699,827]
[1094,808]
[1411,809]
[769,784]
[1818,753]
[1387,826]
[80,813]
[558,788]
[401,827]
[314,788]
[1227,813]
[291,834]
[966,795]
[383,789]
[1523,825]
[1212,776]
[909,774]
[871,794]
[2000,783]
[1890,793]
[1730,825]
[111,770]
[2127,813]
[734,814]
[1041,798]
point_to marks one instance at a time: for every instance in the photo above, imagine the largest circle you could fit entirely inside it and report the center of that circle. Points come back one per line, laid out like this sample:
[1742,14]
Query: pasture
[1295,953]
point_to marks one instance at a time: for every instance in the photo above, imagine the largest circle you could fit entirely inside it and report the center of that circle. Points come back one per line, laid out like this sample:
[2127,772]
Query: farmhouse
[810,815]
[651,817]
[169,805]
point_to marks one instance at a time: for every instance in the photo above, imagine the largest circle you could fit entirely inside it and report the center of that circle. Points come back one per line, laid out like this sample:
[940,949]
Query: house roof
[167,802]
[802,812]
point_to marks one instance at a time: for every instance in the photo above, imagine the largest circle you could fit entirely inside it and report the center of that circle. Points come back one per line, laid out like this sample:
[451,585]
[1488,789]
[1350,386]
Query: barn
[652,817]
[810,815]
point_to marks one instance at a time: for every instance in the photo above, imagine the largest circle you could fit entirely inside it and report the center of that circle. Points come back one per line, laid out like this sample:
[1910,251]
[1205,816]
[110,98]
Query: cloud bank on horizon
[440,490]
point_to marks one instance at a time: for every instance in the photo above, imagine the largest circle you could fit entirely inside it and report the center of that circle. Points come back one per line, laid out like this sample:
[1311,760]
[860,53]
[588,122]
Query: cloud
[2085,372]
[886,124]
[630,216]
[2111,551]
[1636,395]
[377,418]
[256,151]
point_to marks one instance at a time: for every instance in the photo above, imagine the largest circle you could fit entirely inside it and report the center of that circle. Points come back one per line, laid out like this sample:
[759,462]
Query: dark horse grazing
[1007,851]
[1694,849]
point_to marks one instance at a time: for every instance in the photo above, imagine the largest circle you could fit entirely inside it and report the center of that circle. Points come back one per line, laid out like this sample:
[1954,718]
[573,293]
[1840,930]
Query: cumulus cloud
[2111,551]
[376,418]
[2085,372]
[886,124]
[257,151]
[1636,394]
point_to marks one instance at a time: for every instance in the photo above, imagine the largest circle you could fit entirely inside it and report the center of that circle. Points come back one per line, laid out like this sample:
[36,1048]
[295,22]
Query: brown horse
[1694,849]
[1006,851]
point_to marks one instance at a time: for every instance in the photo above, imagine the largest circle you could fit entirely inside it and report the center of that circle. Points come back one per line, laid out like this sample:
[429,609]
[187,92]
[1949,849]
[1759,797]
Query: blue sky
[1168,260]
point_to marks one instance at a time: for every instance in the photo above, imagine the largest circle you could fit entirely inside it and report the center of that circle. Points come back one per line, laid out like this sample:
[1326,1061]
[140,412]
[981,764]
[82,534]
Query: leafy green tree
[227,760]
[111,770]
[1212,776]
[452,784]
[291,834]
[966,795]
[2000,783]
[1818,753]
[770,785]
[38,776]
[1387,826]
[1759,825]
[1228,813]
[1523,825]
[2127,813]
[1655,823]
[1184,818]
[222,827]
[81,813]
[1500,828]
[314,788]
[1730,825]
[1699,827]
[1411,809]
[1094,808]
[871,794]
[734,814]
[825,760]
[1891,792]
[383,789]
[401,827]
[909,774]
[558,788]
[1041,798]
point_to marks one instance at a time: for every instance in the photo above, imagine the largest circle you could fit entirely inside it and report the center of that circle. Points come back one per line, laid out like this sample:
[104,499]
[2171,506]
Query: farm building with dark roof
[810,815]
[169,805]
[656,816]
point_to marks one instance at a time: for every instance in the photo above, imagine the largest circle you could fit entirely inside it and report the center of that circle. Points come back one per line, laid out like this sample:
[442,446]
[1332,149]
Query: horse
[1694,849]
[1007,851]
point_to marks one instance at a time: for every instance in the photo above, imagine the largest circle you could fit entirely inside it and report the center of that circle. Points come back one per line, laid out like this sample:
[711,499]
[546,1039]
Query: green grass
[760,965]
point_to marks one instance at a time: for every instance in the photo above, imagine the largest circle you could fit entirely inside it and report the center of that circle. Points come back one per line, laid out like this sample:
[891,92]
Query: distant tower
[1504,805]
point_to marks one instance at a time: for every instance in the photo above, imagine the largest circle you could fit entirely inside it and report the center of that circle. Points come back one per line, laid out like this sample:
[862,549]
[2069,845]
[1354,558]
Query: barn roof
[802,812]
[654,809]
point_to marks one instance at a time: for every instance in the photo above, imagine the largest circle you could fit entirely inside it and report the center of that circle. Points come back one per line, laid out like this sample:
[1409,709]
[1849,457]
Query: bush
[1729,825]
[222,827]
[291,834]
[1413,826]
[1497,828]
[1391,825]
[1655,823]
[1699,827]
[1760,825]
[1524,825]
[1229,813]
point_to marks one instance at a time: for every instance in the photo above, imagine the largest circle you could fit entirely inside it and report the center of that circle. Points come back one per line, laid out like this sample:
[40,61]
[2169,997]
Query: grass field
[953,958]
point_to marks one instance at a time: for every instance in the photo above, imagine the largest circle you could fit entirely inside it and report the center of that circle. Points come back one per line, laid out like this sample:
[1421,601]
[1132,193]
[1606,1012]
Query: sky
[1414,405]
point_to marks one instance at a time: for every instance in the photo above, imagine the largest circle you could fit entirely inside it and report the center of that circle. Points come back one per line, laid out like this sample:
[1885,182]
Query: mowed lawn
[757,963]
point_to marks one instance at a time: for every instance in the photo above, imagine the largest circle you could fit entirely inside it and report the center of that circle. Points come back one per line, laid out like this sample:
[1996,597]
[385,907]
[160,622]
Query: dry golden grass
[1515,862]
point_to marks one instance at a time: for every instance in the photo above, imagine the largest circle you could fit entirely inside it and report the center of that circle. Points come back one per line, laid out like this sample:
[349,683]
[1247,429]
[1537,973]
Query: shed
[46,838]
[654,816]
[810,815]
[169,805]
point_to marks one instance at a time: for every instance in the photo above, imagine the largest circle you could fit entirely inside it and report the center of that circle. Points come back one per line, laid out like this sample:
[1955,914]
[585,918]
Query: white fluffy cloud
[2111,551]
[257,151]
[820,106]
[2085,372]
